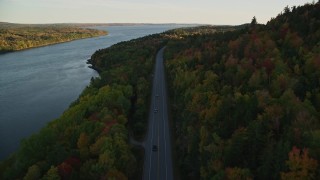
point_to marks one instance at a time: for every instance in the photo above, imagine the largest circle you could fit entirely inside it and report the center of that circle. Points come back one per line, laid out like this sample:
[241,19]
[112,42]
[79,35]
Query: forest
[91,139]
[15,37]
[246,103]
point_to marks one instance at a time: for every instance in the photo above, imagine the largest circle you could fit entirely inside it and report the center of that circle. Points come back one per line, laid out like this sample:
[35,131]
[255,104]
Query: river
[37,85]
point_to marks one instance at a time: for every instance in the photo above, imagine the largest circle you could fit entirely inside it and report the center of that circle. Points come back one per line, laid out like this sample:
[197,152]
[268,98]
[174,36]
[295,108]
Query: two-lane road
[158,158]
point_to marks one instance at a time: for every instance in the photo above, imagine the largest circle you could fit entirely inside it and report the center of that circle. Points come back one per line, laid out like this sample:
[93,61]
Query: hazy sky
[142,11]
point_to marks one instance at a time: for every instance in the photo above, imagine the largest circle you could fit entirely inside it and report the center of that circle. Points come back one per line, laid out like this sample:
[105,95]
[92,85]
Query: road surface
[158,161]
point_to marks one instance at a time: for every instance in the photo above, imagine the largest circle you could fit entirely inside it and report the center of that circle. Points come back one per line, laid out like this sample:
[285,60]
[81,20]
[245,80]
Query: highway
[158,157]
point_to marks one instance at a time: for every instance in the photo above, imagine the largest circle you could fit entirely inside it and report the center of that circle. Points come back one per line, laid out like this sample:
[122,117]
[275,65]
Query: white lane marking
[163,119]
[159,149]
[159,85]
[152,130]
[149,147]
[158,74]
[153,117]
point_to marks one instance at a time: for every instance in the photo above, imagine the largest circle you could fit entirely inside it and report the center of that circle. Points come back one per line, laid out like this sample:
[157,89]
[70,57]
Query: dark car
[155,110]
[154,148]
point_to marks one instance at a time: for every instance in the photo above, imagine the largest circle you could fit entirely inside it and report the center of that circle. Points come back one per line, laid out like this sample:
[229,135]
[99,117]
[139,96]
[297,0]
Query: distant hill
[15,37]
[12,25]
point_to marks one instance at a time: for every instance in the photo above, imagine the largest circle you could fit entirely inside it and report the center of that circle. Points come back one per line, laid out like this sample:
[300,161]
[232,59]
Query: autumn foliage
[301,166]
[245,103]
[91,139]
[15,37]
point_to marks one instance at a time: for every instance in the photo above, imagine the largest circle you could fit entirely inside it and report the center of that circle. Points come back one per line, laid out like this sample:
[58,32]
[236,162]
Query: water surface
[37,85]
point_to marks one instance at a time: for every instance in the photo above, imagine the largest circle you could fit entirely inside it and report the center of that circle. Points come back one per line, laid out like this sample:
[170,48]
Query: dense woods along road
[158,162]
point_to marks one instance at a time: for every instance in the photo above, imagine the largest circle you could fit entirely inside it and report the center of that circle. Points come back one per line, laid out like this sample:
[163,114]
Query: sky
[216,12]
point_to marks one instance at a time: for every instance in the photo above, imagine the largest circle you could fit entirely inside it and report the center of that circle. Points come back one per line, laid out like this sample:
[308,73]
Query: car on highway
[154,148]
[157,95]
[155,110]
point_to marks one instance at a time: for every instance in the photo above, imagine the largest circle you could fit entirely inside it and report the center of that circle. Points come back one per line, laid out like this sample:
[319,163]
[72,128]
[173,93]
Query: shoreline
[50,44]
